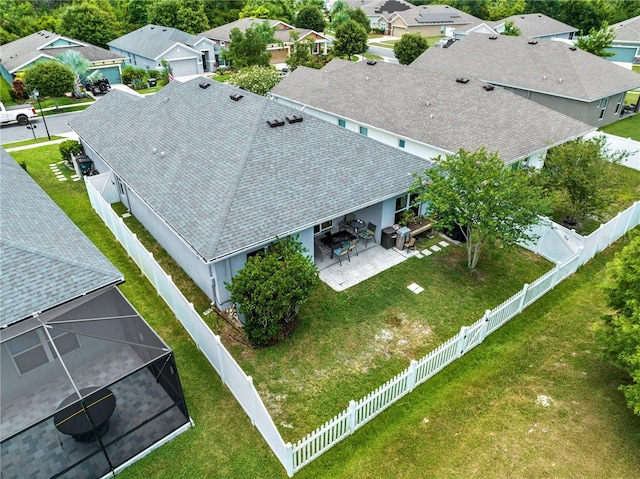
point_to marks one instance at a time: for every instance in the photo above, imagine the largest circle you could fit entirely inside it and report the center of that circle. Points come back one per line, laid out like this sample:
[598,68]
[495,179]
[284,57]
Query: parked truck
[19,113]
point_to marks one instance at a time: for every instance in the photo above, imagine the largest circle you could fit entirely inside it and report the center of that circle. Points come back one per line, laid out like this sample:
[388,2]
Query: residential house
[87,386]
[538,26]
[282,34]
[427,113]
[626,44]
[554,74]
[17,56]
[269,171]
[379,11]
[147,46]
[431,21]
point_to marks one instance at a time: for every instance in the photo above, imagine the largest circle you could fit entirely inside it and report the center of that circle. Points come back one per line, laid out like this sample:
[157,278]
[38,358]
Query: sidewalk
[67,136]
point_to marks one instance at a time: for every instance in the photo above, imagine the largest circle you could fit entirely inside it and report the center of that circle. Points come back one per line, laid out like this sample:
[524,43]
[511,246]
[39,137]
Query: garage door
[184,67]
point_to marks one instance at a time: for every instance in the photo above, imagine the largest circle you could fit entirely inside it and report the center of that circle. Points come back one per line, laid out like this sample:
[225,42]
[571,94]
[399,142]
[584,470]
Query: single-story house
[213,196]
[539,26]
[559,76]
[17,56]
[626,44]
[379,11]
[221,36]
[431,21]
[427,113]
[147,46]
[87,386]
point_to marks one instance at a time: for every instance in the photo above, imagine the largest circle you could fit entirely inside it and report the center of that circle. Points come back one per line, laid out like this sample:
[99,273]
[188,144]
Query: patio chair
[369,233]
[353,247]
[322,248]
[411,244]
[340,252]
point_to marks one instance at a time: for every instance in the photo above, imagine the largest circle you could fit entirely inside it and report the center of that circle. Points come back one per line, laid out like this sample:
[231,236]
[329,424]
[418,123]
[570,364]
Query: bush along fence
[295,456]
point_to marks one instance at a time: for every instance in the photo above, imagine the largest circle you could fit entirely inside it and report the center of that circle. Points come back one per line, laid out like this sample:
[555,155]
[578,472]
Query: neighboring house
[147,46]
[282,33]
[212,200]
[17,56]
[67,335]
[539,26]
[379,11]
[551,73]
[626,45]
[427,113]
[431,21]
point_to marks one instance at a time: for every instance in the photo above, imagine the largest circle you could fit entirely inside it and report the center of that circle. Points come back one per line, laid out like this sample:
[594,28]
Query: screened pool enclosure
[86,387]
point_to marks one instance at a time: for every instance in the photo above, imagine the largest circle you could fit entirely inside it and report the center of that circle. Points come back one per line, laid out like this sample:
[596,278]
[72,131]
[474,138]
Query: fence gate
[471,336]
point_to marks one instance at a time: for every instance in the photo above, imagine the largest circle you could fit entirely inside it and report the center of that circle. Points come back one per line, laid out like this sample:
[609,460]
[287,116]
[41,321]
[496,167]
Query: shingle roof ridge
[244,158]
[55,257]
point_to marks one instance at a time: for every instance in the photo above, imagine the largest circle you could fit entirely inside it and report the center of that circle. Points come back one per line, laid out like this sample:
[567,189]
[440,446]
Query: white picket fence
[232,375]
[296,456]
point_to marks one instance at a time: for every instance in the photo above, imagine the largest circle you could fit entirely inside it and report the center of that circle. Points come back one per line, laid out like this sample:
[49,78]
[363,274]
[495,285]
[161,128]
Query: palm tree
[78,65]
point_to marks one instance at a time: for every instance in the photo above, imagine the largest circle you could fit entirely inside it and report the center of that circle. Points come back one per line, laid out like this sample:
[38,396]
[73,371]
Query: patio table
[72,419]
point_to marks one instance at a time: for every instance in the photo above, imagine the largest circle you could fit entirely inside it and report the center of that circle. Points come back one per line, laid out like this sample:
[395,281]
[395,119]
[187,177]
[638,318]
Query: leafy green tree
[221,12]
[301,54]
[358,15]
[79,65]
[351,39]
[499,9]
[186,15]
[598,41]
[137,13]
[134,76]
[311,17]
[257,79]
[487,200]
[619,332]
[410,47]
[89,23]
[269,9]
[51,79]
[339,14]
[270,289]
[579,177]
[511,29]
[249,48]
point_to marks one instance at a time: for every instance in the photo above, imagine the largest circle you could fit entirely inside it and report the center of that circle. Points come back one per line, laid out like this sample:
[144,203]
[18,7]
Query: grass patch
[63,101]
[67,109]
[479,414]
[222,78]
[626,128]
[384,44]
[371,56]
[30,142]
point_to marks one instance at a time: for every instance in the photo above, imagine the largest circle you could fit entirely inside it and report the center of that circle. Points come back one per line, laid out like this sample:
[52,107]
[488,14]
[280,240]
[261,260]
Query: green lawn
[30,142]
[371,56]
[626,128]
[478,416]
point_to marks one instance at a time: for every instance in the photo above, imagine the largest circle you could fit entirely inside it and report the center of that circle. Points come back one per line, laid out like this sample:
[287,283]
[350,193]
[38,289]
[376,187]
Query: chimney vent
[236,96]
[488,87]
[276,122]
[462,80]
[204,85]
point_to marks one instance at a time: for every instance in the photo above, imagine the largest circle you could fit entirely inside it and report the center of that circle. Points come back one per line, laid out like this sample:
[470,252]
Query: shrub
[19,92]
[134,76]
[68,147]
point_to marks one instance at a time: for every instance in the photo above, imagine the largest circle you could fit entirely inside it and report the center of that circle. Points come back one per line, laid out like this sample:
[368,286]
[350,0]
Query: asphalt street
[57,124]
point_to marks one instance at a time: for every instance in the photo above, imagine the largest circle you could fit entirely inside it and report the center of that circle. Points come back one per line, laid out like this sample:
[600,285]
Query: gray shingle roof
[24,50]
[223,32]
[547,66]
[432,108]
[628,31]
[537,25]
[373,7]
[44,258]
[223,179]
[151,41]
[436,15]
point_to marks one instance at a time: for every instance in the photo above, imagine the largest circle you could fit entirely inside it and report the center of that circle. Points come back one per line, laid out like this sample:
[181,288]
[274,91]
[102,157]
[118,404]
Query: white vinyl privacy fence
[296,456]
[617,143]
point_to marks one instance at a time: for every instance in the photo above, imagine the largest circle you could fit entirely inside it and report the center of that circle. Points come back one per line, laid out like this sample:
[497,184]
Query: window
[404,203]
[442,30]
[327,225]
[364,131]
[619,104]
[342,123]
[31,350]
[401,143]
[383,26]
[603,105]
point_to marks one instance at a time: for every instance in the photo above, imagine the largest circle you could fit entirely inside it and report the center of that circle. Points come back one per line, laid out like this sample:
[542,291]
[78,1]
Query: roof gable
[435,15]
[223,32]
[545,66]
[432,108]
[628,31]
[44,258]
[536,25]
[153,41]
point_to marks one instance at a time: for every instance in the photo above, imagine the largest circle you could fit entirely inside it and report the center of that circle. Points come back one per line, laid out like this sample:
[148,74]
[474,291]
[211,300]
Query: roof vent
[294,118]
[487,87]
[462,80]
[204,85]
[236,96]
[371,62]
[493,37]
[573,49]
[152,28]
[276,122]
[532,42]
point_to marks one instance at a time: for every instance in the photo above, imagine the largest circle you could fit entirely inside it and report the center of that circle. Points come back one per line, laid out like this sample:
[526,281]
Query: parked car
[19,113]
[98,87]
[445,42]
